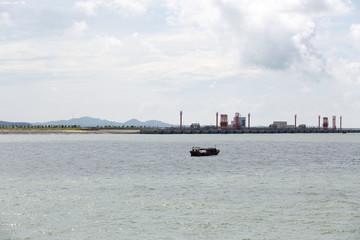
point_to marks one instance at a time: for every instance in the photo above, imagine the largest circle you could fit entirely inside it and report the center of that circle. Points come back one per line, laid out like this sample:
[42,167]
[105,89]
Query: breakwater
[243,131]
[177,131]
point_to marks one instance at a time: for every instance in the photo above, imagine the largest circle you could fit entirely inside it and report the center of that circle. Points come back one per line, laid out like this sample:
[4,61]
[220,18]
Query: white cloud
[306,90]
[5,19]
[355,33]
[109,42]
[77,30]
[55,89]
[212,85]
[345,71]
[123,7]
[175,52]
[15,2]
[202,13]
[128,8]
[324,7]
[272,34]
[276,35]
[347,96]
[89,6]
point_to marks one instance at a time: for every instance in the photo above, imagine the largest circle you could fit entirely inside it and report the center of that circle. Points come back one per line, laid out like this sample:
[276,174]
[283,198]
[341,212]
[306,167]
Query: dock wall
[244,131]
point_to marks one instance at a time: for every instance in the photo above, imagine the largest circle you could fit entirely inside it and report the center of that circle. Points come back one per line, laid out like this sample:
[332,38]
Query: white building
[279,124]
[241,123]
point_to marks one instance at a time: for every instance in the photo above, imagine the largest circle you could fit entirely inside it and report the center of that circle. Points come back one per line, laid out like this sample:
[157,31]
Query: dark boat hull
[197,152]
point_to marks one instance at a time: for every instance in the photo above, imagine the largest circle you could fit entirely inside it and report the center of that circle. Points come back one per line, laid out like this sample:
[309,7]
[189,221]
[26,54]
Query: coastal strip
[243,131]
[69,131]
[173,131]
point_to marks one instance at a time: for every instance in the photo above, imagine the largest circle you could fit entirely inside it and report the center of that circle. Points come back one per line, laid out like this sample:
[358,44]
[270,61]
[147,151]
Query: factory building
[238,125]
[238,121]
[243,121]
[279,124]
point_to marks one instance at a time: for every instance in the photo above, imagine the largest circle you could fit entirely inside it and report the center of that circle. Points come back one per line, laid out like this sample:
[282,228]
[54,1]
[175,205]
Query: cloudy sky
[149,59]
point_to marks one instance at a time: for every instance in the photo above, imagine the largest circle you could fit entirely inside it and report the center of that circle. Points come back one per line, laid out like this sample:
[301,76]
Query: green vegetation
[118,127]
[42,127]
[65,127]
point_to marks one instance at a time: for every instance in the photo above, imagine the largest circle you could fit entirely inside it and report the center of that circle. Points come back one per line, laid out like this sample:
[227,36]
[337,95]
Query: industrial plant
[239,125]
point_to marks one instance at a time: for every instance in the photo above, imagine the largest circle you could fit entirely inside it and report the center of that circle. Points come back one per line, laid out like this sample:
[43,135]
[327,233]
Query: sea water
[289,186]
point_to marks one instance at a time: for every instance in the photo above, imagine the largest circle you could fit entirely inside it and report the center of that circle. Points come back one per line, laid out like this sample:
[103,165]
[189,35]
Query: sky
[150,59]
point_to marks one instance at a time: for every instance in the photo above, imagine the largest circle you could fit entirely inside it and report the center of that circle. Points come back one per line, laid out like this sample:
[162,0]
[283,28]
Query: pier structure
[261,130]
[238,126]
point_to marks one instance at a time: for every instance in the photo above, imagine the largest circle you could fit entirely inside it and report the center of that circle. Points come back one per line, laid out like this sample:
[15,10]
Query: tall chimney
[180,120]
[340,122]
[217,120]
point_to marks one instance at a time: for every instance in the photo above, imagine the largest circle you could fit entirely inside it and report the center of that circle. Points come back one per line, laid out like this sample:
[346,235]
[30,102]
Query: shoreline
[67,131]
[173,131]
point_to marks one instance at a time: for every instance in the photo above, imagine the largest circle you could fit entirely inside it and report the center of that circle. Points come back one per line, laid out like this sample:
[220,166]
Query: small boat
[199,152]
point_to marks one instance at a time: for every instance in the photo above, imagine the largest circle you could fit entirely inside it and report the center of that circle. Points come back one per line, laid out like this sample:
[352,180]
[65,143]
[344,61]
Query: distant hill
[150,123]
[83,122]
[155,123]
[94,122]
[9,124]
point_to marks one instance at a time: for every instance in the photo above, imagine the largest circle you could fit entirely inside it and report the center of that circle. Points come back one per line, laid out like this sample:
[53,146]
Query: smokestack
[217,120]
[180,120]
[295,121]
[249,120]
[340,122]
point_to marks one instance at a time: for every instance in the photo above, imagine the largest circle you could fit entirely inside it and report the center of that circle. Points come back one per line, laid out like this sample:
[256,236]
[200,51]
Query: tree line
[39,126]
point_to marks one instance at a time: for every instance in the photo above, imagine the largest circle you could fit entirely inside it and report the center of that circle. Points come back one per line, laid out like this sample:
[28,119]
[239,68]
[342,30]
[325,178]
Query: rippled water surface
[290,186]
